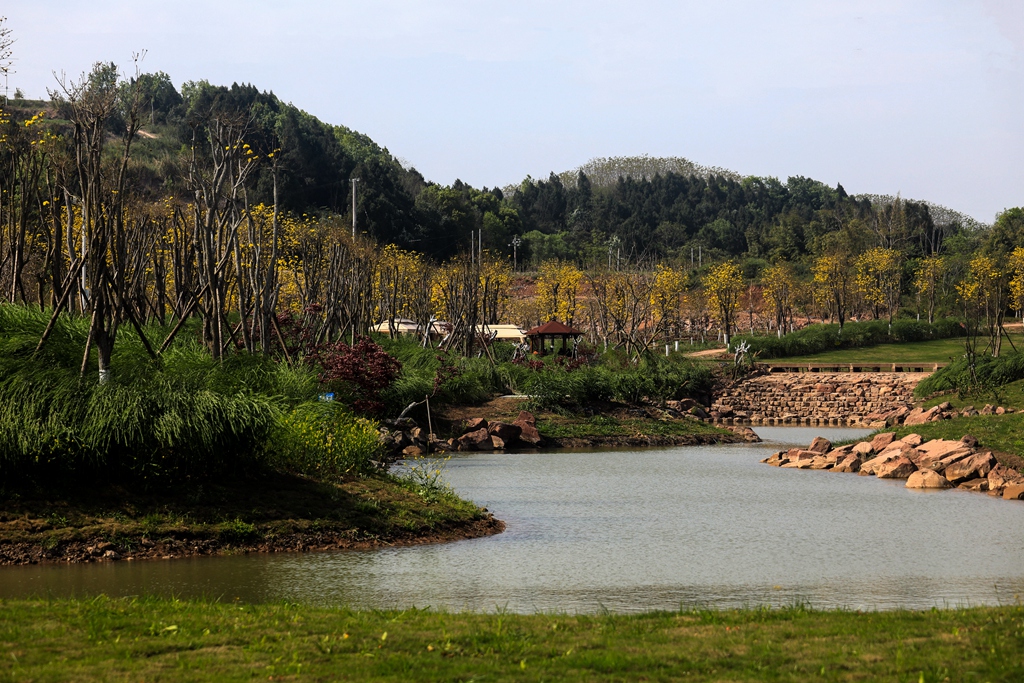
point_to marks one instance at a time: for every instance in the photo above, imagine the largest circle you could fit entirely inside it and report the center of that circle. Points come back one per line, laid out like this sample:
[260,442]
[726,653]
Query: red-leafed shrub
[356,374]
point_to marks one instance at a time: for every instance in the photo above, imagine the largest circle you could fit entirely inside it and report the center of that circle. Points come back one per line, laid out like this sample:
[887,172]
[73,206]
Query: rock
[987,410]
[412,451]
[945,405]
[698,411]
[837,454]
[849,463]
[525,418]
[820,462]
[999,477]
[881,441]
[725,411]
[863,448]
[111,555]
[1013,492]
[968,441]
[529,434]
[1000,411]
[939,448]
[748,434]
[478,440]
[820,445]
[797,454]
[979,485]
[472,424]
[920,416]
[927,479]
[898,468]
[954,457]
[776,459]
[973,467]
[869,466]
[497,443]
[509,433]
[914,440]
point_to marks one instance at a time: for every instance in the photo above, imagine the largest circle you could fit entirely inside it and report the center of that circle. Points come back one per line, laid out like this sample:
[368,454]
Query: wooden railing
[783,366]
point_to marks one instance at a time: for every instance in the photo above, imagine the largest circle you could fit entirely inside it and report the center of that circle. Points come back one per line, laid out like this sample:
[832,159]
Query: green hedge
[820,338]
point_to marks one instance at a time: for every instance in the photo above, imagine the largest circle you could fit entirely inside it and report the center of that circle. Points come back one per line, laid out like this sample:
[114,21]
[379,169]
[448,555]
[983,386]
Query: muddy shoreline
[99,549]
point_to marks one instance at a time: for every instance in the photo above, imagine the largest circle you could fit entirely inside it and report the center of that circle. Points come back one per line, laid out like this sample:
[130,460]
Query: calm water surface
[629,531]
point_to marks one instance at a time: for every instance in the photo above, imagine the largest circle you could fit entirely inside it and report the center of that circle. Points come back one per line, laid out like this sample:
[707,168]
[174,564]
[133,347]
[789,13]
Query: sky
[918,97]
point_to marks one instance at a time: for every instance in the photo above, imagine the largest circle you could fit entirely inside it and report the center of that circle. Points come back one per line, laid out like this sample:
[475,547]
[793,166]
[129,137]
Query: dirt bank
[271,513]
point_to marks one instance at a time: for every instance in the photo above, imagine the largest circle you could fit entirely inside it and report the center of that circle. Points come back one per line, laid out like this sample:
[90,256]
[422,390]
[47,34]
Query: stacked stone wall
[859,399]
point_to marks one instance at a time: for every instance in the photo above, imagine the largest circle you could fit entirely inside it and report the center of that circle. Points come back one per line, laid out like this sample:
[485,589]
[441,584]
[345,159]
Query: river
[634,530]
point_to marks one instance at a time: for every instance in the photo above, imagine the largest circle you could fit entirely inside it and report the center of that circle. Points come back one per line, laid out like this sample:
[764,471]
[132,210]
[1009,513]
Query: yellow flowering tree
[990,278]
[723,285]
[831,275]
[558,286]
[879,279]
[778,285]
[927,279]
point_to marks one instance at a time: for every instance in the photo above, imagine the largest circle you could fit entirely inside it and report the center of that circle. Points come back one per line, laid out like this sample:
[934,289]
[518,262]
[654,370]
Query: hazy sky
[922,97]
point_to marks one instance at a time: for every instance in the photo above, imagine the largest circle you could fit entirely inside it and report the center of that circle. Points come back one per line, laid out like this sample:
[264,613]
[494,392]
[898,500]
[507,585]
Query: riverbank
[153,639]
[269,513]
[602,425]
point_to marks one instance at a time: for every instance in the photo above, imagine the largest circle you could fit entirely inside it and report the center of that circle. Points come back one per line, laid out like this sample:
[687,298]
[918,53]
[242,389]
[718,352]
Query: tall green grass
[989,373]
[185,415]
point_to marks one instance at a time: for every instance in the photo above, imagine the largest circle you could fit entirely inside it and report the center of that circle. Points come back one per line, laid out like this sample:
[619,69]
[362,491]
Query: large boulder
[882,441]
[849,463]
[870,466]
[478,440]
[927,479]
[508,433]
[976,466]
[914,440]
[898,468]
[979,485]
[472,424]
[936,449]
[525,418]
[820,462]
[820,445]
[1013,492]
[920,416]
[863,448]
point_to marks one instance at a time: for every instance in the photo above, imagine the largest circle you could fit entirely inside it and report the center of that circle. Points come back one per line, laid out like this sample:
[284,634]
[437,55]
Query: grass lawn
[154,639]
[1009,396]
[936,351]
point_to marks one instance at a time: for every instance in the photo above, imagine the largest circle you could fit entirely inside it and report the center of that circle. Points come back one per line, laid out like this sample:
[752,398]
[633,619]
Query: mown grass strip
[159,639]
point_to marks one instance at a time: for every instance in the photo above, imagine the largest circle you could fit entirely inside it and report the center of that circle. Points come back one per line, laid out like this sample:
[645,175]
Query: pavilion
[551,330]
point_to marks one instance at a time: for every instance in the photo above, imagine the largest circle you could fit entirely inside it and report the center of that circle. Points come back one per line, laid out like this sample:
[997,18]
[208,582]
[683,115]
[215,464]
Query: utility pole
[354,181]
[515,252]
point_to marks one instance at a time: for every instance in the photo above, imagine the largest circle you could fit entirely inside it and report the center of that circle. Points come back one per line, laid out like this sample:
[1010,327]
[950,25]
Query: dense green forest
[633,209]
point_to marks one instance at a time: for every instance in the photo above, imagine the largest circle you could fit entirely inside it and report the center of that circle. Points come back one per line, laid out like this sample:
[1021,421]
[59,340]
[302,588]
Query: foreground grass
[935,351]
[157,639]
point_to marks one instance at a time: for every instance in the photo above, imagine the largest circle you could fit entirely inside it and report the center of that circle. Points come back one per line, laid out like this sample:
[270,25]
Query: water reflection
[631,531]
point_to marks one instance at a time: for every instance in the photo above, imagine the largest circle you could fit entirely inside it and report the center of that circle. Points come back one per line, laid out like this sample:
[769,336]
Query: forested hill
[630,207]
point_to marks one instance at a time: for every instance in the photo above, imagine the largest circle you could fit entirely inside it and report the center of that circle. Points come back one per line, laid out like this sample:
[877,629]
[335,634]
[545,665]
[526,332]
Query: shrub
[325,440]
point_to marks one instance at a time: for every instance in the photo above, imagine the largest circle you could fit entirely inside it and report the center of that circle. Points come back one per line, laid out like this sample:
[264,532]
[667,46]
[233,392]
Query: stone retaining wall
[841,399]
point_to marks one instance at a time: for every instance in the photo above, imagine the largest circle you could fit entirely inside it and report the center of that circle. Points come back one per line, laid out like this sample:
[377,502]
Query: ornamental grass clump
[186,415]
[324,439]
